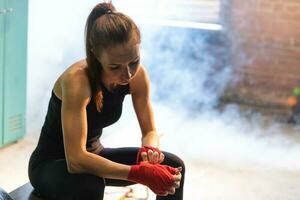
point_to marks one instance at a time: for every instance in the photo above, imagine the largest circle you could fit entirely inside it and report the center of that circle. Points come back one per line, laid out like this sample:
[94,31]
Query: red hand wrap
[145,149]
[159,178]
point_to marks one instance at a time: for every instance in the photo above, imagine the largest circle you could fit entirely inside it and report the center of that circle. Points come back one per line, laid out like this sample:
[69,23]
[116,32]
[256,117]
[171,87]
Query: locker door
[1,69]
[15,58]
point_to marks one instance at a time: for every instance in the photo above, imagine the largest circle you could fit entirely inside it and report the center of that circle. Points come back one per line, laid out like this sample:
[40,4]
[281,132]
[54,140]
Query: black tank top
[50,143]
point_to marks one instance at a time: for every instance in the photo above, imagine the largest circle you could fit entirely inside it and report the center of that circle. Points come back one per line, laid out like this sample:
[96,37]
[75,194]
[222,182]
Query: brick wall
[265,37]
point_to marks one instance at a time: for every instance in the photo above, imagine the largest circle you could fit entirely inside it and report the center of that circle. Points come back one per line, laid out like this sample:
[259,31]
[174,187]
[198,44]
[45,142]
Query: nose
[127,74]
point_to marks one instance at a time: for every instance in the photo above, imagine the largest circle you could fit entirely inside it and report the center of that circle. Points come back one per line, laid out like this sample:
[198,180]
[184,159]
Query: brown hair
[104,28]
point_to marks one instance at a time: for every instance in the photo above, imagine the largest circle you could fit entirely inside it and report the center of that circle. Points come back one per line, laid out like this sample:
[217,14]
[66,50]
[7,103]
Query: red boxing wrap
[159,178]
[145,149]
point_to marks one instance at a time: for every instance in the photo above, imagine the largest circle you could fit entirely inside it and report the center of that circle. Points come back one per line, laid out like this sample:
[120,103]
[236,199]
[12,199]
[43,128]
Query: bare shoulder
[73,84]
[141,72]
[140,81]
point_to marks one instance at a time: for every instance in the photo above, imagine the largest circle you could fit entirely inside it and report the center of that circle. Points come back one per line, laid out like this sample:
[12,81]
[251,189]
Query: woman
[69,161]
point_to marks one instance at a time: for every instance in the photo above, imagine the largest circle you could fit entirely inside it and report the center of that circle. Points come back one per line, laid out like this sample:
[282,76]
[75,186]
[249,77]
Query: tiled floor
[13,163]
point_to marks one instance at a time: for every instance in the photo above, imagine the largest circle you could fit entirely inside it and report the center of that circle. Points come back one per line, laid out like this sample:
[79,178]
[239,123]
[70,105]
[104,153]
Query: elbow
[74,165]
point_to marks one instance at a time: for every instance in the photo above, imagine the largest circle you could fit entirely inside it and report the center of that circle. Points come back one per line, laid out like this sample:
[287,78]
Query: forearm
[151,139]
[94,164]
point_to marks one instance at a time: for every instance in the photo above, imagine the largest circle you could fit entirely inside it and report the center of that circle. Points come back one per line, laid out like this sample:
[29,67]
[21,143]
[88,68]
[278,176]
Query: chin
[115,86]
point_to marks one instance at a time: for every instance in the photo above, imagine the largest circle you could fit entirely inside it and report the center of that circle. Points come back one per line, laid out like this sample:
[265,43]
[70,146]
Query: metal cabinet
[1,68]
[13,69]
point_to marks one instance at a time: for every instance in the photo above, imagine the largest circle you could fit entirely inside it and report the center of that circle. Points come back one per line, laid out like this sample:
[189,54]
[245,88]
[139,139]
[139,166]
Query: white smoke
[189,71]
[55,41]
[186,87]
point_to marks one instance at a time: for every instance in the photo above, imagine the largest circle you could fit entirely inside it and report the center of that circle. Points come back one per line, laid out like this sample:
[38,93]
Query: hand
[161,179]
[176,183]
[153,157]
[150,154]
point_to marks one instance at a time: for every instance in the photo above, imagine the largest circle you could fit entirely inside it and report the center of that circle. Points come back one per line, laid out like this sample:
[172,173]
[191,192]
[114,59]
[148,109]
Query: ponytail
[105,27]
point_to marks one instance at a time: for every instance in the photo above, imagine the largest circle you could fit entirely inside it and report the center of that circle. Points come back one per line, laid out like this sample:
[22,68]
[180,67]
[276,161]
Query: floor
[17,155]
[206,179]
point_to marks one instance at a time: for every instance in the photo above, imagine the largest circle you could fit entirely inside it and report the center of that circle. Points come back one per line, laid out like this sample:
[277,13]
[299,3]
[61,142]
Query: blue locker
[14,69]
[1,68]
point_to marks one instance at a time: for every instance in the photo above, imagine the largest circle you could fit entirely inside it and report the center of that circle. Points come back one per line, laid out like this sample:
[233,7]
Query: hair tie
[109,11]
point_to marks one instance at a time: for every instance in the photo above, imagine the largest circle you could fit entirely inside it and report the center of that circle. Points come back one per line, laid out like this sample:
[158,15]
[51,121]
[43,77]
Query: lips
[123,83]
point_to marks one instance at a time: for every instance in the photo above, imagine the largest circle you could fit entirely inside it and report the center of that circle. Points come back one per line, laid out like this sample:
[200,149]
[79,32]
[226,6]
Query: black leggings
[52,180]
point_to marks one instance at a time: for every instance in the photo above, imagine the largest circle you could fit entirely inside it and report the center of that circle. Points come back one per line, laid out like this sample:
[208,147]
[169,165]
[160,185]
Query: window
[203,11]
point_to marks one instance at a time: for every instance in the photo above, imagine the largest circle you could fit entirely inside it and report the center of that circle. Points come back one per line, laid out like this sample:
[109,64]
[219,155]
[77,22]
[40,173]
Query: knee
[174,161]
[92,187]
[180,163]
[91,182]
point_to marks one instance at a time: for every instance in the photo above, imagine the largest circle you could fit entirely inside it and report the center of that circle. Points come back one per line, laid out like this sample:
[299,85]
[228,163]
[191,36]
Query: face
[120,64]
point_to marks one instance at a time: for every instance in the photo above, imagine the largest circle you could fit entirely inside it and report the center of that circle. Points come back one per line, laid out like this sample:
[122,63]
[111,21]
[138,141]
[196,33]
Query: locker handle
[2,11]
[8,10]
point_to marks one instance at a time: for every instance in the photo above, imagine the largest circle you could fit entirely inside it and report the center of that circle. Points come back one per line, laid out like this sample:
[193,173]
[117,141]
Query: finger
[155,157]
[172,170]
[176,184]
[161,157]
[177,177]
[179,169]
[172,191]
[162,193]
[144,156]
[150,155]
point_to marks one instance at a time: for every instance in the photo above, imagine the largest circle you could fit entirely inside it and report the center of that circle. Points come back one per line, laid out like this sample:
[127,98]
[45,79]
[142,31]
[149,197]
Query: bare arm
[75,97]
[140,90]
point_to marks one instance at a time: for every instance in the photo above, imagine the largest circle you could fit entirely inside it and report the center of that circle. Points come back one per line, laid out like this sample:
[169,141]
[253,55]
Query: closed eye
[114,67]
[134,63]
